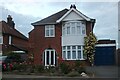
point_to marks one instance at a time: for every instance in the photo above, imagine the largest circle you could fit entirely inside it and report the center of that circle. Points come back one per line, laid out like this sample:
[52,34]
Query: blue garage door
[105,56]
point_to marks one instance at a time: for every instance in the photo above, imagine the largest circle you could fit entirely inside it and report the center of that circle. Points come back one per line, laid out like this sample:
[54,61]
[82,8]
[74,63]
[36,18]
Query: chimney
[10,22]
[72,6]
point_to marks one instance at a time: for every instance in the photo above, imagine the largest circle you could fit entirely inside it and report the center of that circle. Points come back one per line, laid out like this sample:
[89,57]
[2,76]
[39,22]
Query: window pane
[68,54]
[73,30]
[78,29]
[68,47]
[83,30]
[78,23]
[47,27]
[51,32]
[73,27]
[64,55]
[1,39]
[52,57]
[73,54]
[68,30]
[64,47]
[10,39]
[79,54]
[79,47]
[64,31]
[47,57]
[47,32]
[73,47]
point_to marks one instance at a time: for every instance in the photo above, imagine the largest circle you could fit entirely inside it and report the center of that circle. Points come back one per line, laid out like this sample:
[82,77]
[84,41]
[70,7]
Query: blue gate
[105,55]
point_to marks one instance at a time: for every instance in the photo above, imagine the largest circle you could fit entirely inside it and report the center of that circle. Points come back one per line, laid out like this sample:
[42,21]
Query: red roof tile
[6,29]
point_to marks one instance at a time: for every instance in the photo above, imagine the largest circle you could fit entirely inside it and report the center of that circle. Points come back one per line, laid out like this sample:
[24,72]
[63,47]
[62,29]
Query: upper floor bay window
[49,31]
[1,39]
[74,28]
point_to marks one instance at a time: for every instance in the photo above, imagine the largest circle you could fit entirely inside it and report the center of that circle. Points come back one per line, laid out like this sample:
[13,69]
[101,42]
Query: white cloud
[22,22]
[105,13]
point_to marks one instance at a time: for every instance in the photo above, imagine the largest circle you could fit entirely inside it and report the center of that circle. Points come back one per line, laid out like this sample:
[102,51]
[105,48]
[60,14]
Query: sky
[25,12]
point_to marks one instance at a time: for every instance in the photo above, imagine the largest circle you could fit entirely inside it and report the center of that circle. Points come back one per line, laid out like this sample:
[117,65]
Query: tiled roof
[51,19]
[6,29]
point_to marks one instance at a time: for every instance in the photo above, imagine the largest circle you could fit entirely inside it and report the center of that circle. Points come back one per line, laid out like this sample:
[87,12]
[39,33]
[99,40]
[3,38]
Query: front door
[49,59]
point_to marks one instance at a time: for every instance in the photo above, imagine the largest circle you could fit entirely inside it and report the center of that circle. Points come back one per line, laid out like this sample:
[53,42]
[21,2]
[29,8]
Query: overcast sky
[25,12]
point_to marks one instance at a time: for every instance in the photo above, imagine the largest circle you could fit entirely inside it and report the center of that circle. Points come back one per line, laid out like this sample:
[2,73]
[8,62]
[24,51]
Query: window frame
[49,28]
[65,50]
[73,25]
[10,40]
[1,37]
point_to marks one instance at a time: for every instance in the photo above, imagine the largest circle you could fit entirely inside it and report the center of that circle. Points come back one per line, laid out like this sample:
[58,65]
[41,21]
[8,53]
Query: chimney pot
[72,6]
[10,22]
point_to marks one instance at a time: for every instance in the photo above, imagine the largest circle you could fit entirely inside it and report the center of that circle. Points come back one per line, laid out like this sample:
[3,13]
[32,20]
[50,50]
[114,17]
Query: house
[105,53]
[60,37]
[11,40]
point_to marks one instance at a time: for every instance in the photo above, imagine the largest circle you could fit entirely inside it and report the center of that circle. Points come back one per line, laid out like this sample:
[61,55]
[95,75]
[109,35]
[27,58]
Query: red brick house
[11,39]
[60,37]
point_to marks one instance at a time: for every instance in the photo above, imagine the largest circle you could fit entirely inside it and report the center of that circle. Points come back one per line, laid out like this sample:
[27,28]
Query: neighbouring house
[60,37]
[11,40]
[105,53]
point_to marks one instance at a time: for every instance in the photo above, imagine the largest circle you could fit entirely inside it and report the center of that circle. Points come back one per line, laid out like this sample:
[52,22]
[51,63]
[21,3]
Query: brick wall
[41,42]
[16,41]
[38,42]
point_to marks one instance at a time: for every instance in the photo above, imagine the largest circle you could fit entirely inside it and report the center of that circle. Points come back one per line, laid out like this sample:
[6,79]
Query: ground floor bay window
[72,52]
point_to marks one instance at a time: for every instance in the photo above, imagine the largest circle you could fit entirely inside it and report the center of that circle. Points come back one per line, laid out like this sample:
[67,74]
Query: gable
[73,16]
[6,29]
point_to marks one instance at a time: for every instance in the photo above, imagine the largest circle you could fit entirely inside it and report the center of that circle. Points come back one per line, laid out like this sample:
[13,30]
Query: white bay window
[72,53]
[73,28]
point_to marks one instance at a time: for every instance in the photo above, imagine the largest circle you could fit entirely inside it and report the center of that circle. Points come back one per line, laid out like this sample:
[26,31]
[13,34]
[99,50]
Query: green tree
[89,47]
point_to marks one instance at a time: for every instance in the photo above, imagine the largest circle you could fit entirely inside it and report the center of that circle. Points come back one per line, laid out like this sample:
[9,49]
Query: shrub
[39,68]
[73,74]
[65,68]
[80,69]
[51,69]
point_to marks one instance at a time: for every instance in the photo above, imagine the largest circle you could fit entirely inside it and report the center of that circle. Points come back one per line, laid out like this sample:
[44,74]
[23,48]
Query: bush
[65,68]
[80,69]
[39,68]
[50,69]
[20,67]
[73,74]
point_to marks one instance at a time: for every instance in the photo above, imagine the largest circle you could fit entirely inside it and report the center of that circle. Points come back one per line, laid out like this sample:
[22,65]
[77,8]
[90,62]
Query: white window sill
[74,35]
[49,36]
[74,59]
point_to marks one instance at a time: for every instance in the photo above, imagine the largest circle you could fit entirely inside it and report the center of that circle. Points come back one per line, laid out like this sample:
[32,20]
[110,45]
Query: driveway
[104,71]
